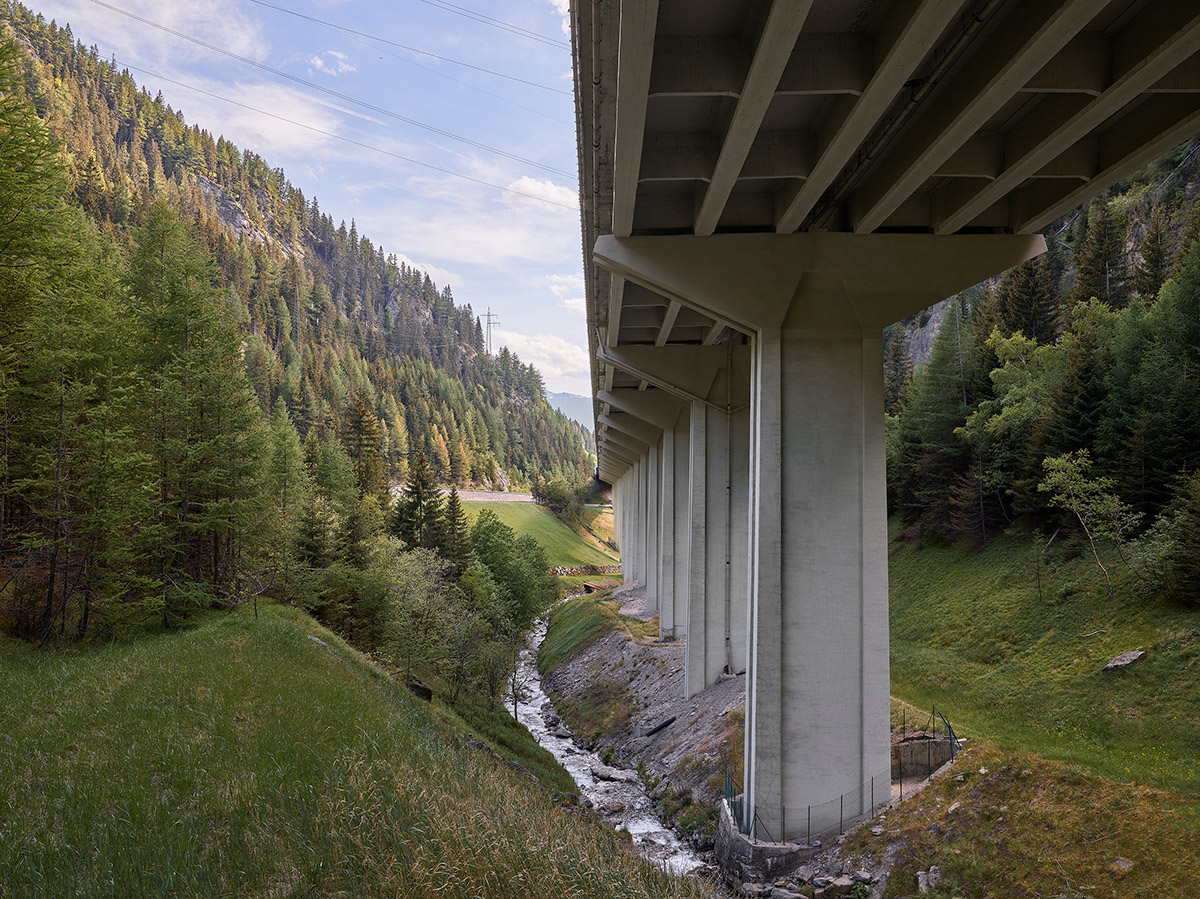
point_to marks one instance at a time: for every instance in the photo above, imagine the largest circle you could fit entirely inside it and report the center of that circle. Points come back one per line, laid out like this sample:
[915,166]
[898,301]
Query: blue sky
[513,253]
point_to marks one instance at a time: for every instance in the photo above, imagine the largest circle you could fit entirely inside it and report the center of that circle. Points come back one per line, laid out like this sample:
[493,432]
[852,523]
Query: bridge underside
[765,186]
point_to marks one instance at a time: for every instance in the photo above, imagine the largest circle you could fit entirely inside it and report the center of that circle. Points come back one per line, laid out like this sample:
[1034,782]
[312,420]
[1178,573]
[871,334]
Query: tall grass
[971,632]
[563,546]
[241,758]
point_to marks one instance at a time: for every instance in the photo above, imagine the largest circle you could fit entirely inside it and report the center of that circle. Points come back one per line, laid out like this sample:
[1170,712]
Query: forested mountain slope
[327,315]
[208,392]
[1063,397]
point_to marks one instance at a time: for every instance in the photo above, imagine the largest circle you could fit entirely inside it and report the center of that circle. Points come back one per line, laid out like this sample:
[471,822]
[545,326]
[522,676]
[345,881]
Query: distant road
[493,496]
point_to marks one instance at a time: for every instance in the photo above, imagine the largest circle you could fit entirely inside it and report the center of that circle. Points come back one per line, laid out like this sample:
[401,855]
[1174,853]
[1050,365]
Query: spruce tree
[418,518]
[1155,253]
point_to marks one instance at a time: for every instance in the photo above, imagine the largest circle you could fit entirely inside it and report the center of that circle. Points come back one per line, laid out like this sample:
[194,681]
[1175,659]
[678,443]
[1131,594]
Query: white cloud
[223,23]
[563,8]
[555,357]
[542,189]
[334,63]
[440,276]
[570,291]
[256,131]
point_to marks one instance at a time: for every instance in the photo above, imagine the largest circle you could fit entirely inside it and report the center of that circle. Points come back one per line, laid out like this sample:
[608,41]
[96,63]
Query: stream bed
[636,814]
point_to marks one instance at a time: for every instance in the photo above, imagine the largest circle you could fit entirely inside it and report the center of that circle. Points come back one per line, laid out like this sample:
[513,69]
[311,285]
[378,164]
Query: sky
[485,198]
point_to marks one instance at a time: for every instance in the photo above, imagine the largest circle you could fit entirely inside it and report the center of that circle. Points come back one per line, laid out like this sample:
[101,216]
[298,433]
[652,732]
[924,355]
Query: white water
[652,839]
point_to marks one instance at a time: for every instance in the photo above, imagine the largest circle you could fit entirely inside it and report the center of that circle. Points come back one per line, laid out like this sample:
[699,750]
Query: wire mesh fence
[919,747]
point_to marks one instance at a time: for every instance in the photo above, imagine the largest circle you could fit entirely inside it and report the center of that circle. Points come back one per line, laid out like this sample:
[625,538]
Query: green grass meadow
[970,632]
[563,546]
[238,757]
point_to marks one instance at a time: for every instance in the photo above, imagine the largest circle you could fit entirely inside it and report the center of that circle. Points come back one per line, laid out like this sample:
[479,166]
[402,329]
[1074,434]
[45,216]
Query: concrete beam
[1161,122]
[616,296]
[632,426]
[754,280]
[619,441]
[690,372]
[635,56]
[1030,36]
[706,66]
[776,39]
[657,407]
[1163,34]
[905,41]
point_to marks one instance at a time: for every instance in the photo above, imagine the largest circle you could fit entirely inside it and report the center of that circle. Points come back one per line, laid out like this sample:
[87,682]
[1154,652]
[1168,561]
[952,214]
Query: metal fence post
[841,812]
[810,825]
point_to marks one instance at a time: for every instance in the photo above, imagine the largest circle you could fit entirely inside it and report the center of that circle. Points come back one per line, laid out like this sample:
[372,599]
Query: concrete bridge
[765,186]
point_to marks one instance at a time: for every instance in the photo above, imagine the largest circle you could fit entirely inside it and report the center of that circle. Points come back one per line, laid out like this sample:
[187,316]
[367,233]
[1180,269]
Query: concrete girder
[1147,49]
[625,441]
[619,453]
[616,295]
[1161,122]
[776,40]
[635,56]
[610,471]
[658,407]
[756,280]
[668,322]
[633,426]
[906,41]
[706,66]
[691,156]
[1021,46]
[693,373]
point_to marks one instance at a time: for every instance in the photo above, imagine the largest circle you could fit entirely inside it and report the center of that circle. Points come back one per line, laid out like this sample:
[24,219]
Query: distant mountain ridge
[574,406]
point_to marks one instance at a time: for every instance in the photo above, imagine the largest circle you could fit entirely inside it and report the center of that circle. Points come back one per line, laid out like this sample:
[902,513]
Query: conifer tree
[1152,267]
[1100,264]
[418,518]
[456,539]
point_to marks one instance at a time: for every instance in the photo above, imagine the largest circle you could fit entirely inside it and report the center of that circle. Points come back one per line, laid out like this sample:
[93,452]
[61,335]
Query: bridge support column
[718,572]
[672,620]
[814,306]
[653,503]
[817,706]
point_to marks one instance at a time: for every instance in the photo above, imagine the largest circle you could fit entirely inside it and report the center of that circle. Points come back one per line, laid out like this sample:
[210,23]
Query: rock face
[1125,659]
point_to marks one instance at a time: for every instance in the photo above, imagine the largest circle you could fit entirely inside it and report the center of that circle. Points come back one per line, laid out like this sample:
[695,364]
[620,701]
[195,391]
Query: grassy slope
[970,633]
[242,758]
[563,546]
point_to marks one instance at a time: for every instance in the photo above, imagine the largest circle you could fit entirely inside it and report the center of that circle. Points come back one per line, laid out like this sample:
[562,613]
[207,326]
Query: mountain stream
[624,804]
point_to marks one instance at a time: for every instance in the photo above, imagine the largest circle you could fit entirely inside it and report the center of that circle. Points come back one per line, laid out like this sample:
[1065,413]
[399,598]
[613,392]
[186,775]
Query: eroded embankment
[623,684]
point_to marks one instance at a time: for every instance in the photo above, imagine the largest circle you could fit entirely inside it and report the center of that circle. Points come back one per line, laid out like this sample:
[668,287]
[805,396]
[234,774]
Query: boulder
[615,808]
[1125,659]
[620,775]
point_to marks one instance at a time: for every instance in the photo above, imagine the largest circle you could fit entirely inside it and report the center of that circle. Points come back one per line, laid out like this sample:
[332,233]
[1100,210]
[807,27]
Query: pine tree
[363,440]
[418,518]
[198,418]
[1100,264]
[456,539]
[1151,269]
[897,368]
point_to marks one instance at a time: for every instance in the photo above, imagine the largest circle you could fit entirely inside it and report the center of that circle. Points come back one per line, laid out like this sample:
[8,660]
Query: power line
[347,140]
[374,48]
[280,73]
[495,23]
[381,40]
